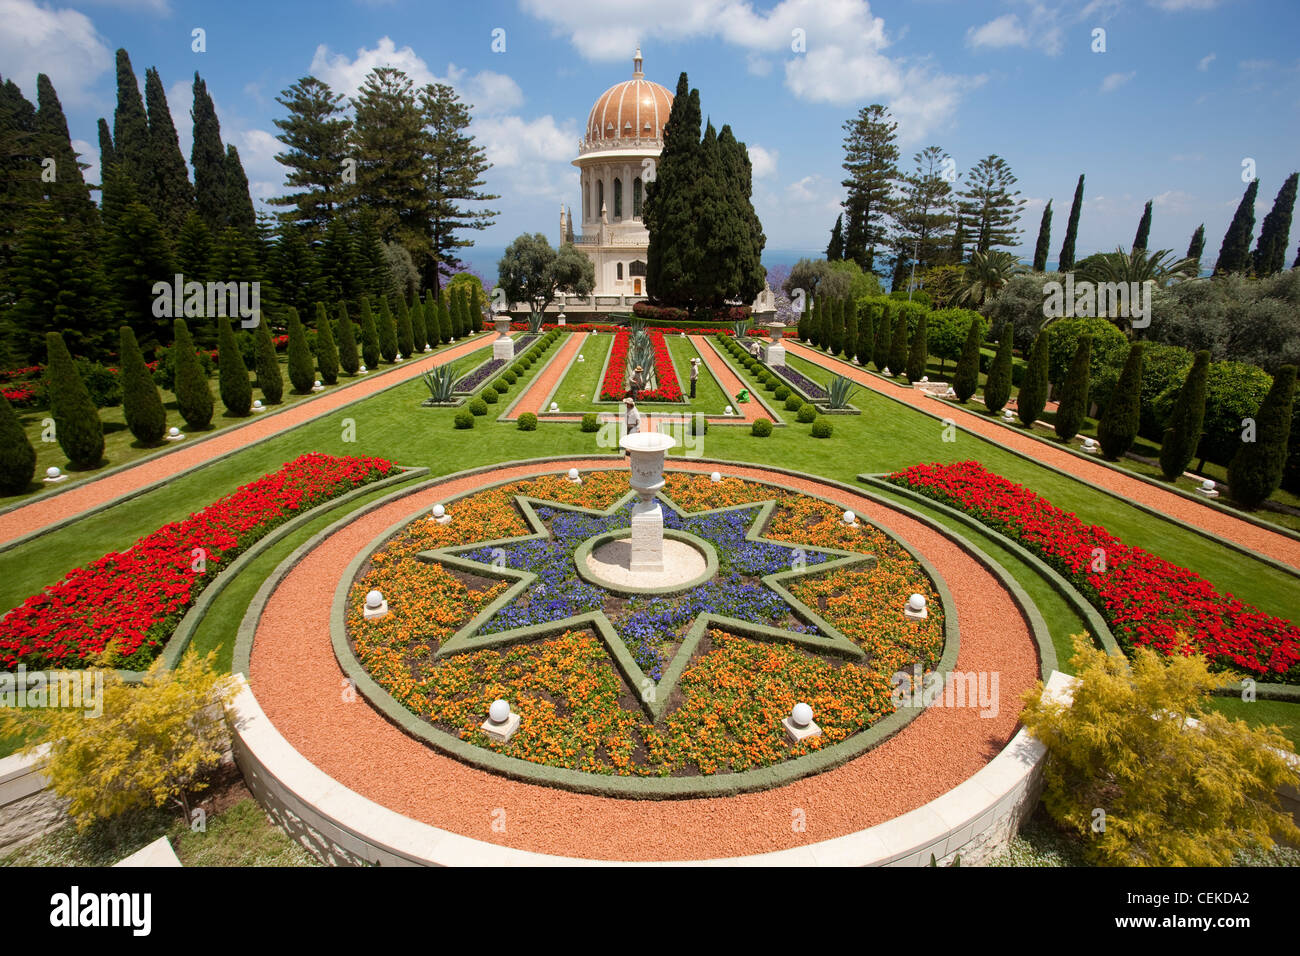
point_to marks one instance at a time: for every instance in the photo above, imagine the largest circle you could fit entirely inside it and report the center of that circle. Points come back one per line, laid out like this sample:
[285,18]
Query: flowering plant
[615,386]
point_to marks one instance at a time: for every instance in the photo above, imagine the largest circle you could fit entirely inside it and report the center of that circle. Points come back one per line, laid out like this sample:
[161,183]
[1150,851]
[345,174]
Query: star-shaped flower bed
[694,681]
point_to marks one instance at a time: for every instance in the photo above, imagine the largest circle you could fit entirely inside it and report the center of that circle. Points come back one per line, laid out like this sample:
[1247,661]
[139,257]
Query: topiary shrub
[590,423]
[193,397]
[807,413]
[302,367]
[782,393]
[518,368]
[17,456]
[761,428]
[793,403]
[510,376]
[236,390]
[489,395]
[821,428]
[477,406]
[464,418]
[1118,427]
[141,404]
[1256,469]
[79,431]
[528,422]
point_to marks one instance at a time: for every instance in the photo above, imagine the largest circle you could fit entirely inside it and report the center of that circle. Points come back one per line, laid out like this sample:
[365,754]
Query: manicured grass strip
[1262,713]
[579,389]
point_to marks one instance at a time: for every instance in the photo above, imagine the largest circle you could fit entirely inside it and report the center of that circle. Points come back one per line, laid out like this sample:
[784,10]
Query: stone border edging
[163,482]
[755,394]
[1178,522]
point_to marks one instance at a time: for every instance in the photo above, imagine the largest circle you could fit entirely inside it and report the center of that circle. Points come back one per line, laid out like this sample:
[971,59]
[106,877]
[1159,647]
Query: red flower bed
[128,603]
[615,386]
[606,327]
[1146,600]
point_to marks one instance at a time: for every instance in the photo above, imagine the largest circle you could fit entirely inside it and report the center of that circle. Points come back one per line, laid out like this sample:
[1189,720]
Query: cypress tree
[238,204]
[1032,398]
[193,397]
[327,353]
[837,327]
[270,380]
[444,321]
[835,249]
[131,128]
[432,325]
[919,350]
[1270,252]
[958,251]
[966,380]
[405,332]
[1197,246]
[68,192]
[476,308]
[1234,252]
[884,333]
[387,331]
[810,323]
[997,386]
[301,376]
[107,156]
[78,429]
[670,211]
[348,358]
[1044,237]
[141,404]
[17,456]
[801,326]
[825,323]
[1119,422]
[866,337]
[1144,229]
[1185,422]
[898,346]
[171,197]
[850,349]
[419,336]
[208,157]
[1256,469]
[369,336]
[454,302]
[1066,262]
[232,373]
[1073,407]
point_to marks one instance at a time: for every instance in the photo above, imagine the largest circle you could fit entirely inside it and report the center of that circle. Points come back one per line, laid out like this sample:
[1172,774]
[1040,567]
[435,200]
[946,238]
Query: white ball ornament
[573,474]
[916,602]
[801,715]
[439,511]
[1208,484]
[716,476]
[173,431]
[850,517]
[499,712]
[374,600]
[52,472]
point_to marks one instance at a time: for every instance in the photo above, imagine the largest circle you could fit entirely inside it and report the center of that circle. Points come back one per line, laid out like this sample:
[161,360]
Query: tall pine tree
[170,195]
[208,157]
[1066,259]
[871,167]
[131,129]
[239,203]
[1143,230]
[1234,252]
[835,248]
[1275,231]
[1044,238]
[315,135]
[68,192]
[1197,246]
[989,204]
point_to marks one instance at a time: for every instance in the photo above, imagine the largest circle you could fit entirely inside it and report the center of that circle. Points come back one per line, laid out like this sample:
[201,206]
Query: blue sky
[1184,92]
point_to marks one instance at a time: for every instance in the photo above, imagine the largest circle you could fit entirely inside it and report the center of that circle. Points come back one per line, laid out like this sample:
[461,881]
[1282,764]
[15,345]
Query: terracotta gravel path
[1280,547]
[156,469]
[731,383]
[549,377]
[297,680]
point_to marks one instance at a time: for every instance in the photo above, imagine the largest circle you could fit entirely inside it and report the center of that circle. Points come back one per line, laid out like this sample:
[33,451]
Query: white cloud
[1004,31]
[180,98]
[161,7]
[1204,63]
[763,161]
[90,155]
[843,60]
[1176,6]
[801,190]
[487,92]
[758,65]
[61,43]
[346,75]
[1115,80]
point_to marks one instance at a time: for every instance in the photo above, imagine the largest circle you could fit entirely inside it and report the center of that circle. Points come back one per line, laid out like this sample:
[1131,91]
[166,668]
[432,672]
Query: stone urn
[776,351]
[647,451]
[503,347]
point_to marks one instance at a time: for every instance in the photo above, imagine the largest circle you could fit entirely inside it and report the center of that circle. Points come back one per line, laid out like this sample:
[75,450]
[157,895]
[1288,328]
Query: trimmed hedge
[477,407]
[464,418]
[528,422]
[17,456]
[590,422]
[807,413]
[761,428]
[821,428]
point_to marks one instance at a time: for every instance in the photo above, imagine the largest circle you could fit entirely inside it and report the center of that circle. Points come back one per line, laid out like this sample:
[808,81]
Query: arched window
[600,198]
[618,199]
[620,270]
[636,198]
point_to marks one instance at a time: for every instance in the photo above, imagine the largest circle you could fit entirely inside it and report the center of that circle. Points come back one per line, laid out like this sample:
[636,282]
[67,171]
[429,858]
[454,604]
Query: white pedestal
[776,354]
[799,734]
[502,732]
[375,613]
[647,537]
[503,348]
[920,615]
[1209,492]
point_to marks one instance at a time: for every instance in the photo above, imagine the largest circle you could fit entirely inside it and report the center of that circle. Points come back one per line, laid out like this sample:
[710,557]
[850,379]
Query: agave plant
[641,351]
[440,382]
[741,326]
[535,321]
[987,273]
[841,390]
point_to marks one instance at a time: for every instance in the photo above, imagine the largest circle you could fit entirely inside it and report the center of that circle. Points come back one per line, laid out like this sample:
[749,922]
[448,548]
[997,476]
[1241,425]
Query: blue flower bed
[801,381]
[480,375]
[646,622]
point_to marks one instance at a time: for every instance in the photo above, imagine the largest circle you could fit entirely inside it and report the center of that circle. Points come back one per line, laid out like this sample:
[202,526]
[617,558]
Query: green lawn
[580,388]
[1285,715]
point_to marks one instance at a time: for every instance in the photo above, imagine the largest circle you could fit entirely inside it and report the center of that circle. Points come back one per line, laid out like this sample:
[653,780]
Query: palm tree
[1135,268]
[987,273]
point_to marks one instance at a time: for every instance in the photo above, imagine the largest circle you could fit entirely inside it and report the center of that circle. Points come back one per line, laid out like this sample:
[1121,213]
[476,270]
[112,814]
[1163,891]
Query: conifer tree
[232,373]
[170,194]
[315,135]
[989,204]
[1197,246]
[131,129]
[1234,252]
[1032,398]
[1044,238]
[1256,469]
[669,212]
[405,333]
[1118,427]
[68,192]
[476,308]
[850,349]
[1183,433]
[1270,252]
[338,267]
[801,325]
[208,157]
[1143,230]
[21,157]
[193,397]
[419,336]
[142,406]
[1073,406]
[348,359]
[387,331]
[327,353]
[898,345]
[1066,259]
[294,271]
[866,338]
[871,168]
[369,336]
[17,456]
[194,249]
[957,253]
[884,338]
[966,380]
[836,343]
[58,285]
[107,156]
[136,255]
[918,349]
[997,386]
[433,320]
[444,321]
[835,248]
[301,374]
[239,204]
[270,380]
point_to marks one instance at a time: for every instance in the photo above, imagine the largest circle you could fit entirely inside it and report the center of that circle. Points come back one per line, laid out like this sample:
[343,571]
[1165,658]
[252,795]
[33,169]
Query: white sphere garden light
[915,608]
[374,599]
[850,518]
[573,475]
[716,476]
[555,407]
[801,715]
[499,711]
[52,472]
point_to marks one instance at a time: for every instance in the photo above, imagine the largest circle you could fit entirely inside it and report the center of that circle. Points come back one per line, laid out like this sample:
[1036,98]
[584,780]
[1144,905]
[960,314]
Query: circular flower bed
[690,683]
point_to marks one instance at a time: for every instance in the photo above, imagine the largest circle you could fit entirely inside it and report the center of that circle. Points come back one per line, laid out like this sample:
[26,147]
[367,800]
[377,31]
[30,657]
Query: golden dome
[635,109]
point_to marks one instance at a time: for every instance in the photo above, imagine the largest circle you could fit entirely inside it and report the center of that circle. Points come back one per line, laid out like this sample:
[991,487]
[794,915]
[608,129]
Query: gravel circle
[1279,547]
[297,681]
